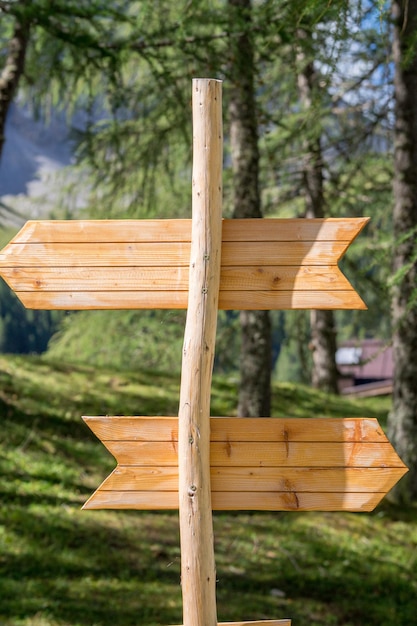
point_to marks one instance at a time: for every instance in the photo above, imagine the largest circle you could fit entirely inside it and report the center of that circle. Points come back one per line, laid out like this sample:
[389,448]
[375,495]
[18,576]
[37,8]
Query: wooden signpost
[194,462]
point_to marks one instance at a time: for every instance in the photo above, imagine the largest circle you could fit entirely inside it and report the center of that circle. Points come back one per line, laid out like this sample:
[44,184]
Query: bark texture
[323,329]
[402,421]
[12,72]
[256,351]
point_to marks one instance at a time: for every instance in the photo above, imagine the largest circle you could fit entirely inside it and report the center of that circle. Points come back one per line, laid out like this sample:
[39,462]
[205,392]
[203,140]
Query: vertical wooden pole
[198,572]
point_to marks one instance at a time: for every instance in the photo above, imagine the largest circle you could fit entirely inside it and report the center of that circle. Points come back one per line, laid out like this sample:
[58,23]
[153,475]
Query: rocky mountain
[31,145]
[32,152]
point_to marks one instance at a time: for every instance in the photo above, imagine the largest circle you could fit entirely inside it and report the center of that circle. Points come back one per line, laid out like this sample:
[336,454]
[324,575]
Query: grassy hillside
[60,566]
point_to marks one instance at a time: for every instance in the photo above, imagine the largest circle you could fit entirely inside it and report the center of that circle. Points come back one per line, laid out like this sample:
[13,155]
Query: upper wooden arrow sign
[256,463]
[137,264]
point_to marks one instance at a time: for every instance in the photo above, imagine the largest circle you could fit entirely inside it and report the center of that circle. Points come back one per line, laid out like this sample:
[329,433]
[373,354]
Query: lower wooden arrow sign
[256,463]
[137,264]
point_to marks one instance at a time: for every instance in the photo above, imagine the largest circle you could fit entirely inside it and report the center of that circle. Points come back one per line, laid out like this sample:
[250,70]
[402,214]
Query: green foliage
[295,361]
[61,566]
[406,272]
[23,331]
[369,260]
[122,339]
[128,67]
[70,48]
[138,339]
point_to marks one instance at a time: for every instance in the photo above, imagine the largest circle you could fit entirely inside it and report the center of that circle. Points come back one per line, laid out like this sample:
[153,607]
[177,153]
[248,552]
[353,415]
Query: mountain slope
[31,149]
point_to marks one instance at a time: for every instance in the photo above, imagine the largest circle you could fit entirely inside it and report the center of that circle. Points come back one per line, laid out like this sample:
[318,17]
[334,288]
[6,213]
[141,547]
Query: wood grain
[135,231]
[285,264]
[231,300]
[267,429]
[233,278]
[198,569]
[256,463]
[241,479]
[161,254]
[103,254]
[290,229]
[261,454]
[240,501]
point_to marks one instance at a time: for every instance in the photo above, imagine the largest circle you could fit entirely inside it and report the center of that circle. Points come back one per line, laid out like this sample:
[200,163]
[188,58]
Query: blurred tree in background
[403,418]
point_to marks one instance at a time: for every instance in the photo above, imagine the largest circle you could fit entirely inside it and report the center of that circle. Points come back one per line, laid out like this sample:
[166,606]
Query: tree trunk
[402,422]
[256,351]
[323,344]
[323,330]
[11,73]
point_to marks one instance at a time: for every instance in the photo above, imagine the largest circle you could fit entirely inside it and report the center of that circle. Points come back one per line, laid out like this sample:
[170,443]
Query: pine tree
[403,418]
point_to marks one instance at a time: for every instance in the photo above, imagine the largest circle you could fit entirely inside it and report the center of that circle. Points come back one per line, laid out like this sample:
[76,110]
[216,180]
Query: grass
[60,566]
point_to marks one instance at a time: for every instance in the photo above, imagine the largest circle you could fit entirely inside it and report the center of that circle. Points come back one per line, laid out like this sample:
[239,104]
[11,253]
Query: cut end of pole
[206,80]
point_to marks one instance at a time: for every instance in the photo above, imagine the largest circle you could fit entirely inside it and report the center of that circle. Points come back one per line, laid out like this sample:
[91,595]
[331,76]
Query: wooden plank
[239,501]
[75,255]
[231,479]
[231,300]
[290,300]
[99,231]
[290,229]
[99,300]
[252,278]
[286,253]
[263,454]
[135,231]
[222,429]
[99,278]
[293,501]
[104,254]
[349,429]
[283,278]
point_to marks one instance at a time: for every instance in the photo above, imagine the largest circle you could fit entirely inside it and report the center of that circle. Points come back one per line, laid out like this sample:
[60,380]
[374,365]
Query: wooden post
[198,573]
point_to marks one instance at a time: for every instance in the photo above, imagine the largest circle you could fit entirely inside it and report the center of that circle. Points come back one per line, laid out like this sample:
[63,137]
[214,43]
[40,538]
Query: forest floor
[60,566]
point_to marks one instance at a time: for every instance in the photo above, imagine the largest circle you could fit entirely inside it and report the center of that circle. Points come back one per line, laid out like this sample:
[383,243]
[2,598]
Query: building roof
[368,360]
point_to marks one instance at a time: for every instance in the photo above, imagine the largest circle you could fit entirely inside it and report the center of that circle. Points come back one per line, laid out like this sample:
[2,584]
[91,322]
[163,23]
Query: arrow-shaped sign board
[136,264]
[256,463]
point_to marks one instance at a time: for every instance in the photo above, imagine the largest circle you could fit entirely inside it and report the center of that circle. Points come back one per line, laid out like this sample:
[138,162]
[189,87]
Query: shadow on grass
[290,400]
[77,569]
[122,569]
[293,568]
